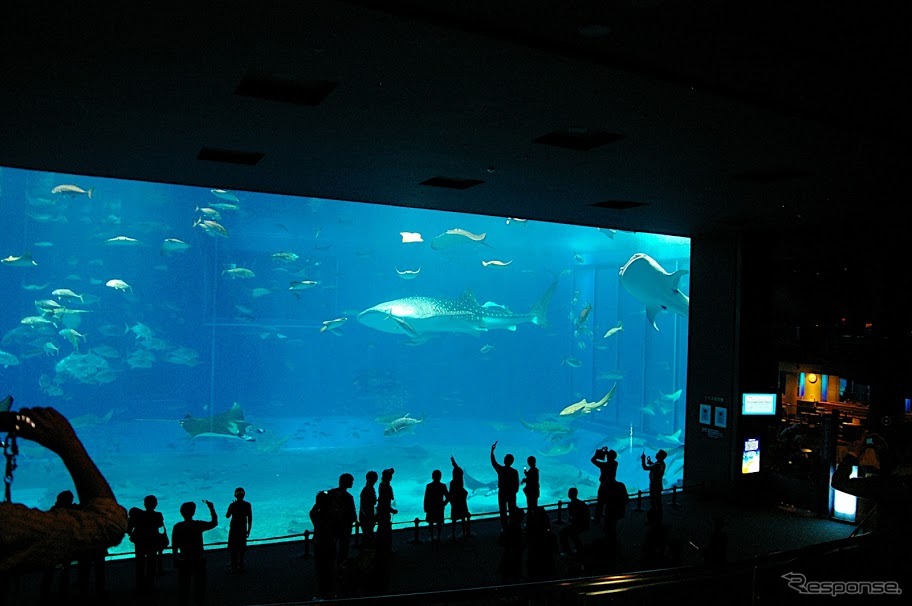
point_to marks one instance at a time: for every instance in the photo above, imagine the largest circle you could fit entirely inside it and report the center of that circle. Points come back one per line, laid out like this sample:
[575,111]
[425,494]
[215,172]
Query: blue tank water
[202,339]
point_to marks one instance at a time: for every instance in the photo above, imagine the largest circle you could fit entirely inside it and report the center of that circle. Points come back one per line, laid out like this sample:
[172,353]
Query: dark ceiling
[699,117]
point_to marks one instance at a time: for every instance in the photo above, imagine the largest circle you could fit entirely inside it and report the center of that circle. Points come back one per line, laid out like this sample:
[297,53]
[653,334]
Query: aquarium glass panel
[200,339]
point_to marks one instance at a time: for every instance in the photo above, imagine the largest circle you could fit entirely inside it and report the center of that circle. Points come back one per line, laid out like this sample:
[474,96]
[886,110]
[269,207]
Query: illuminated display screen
[750,458]
[758,404]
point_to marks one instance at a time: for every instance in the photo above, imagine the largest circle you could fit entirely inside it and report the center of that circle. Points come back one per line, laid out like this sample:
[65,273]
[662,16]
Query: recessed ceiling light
[593,30]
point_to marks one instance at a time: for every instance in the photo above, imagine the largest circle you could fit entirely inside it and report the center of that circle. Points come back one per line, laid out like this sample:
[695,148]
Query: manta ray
[417,316]
[228,424]
[473,485]
[657,289]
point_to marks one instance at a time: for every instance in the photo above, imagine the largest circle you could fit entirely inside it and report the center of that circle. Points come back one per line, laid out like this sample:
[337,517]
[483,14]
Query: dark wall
[712,372]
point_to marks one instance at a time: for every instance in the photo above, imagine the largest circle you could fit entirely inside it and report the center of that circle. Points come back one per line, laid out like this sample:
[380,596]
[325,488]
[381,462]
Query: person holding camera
[606,461]
[887,483]
[34,539]
[656,475]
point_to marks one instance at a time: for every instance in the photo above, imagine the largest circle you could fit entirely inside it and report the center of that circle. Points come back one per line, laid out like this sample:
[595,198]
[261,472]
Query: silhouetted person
[385,511]
[459,505]
[656,473]
[577,524]
[541,546]
[531,485]
[507,487]
[149,535]
[367,508]
[889,488]
[344,517]
[436,497]
[513,544]
[189,555]
[240,512]
[606,461]
[615,509]
[34,539]
[324,545]
[65,500]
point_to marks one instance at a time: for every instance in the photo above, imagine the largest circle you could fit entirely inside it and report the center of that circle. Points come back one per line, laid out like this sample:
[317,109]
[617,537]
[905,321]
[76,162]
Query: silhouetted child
[436,497]
[578,523]
[531,486]
[147,530]
[507,487]
[367,510]
[189,554]
[459,506]
[240,512]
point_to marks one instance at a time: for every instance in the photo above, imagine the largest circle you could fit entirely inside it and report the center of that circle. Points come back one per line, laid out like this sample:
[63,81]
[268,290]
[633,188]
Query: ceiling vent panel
[581,139]
[229,156]
[771,175]
[618,204]
[272,87]
[450,183]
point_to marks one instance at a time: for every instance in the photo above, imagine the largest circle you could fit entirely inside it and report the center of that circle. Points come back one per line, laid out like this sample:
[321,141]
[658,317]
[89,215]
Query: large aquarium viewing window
[200,339]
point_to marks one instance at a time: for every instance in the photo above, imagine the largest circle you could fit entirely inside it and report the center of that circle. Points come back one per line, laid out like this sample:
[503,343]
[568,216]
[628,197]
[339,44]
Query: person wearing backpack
[147,530]
[343,515]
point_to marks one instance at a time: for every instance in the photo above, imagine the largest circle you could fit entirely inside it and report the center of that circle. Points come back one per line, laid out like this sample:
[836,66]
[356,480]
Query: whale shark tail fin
[539,311]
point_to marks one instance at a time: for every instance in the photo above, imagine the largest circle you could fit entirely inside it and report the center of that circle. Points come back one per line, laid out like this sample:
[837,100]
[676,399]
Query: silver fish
[72,190]
[401,424]
[225,194]
[172,245]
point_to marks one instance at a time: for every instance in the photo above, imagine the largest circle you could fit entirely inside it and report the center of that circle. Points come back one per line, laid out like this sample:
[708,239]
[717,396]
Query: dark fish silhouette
[474,485]
[226,424]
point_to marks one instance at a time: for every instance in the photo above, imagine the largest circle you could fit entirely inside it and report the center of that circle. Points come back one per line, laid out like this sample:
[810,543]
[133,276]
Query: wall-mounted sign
[705,414]
[721,416]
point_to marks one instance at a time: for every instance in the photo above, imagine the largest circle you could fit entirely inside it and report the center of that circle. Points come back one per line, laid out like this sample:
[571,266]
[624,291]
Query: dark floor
[279,573]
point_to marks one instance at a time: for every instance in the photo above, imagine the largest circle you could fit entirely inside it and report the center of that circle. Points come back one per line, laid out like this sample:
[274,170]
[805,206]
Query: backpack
[329,509]
[617,500]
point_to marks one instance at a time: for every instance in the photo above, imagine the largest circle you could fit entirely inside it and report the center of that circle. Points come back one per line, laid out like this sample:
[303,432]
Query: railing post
[639,501]
[560,512]
[468,523]
[417,538]
[357,533]
[306,554]
[674,496]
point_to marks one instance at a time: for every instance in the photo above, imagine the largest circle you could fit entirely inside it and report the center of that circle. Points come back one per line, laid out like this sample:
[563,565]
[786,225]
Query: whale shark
[657,289]
[417,316]
[228,424]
